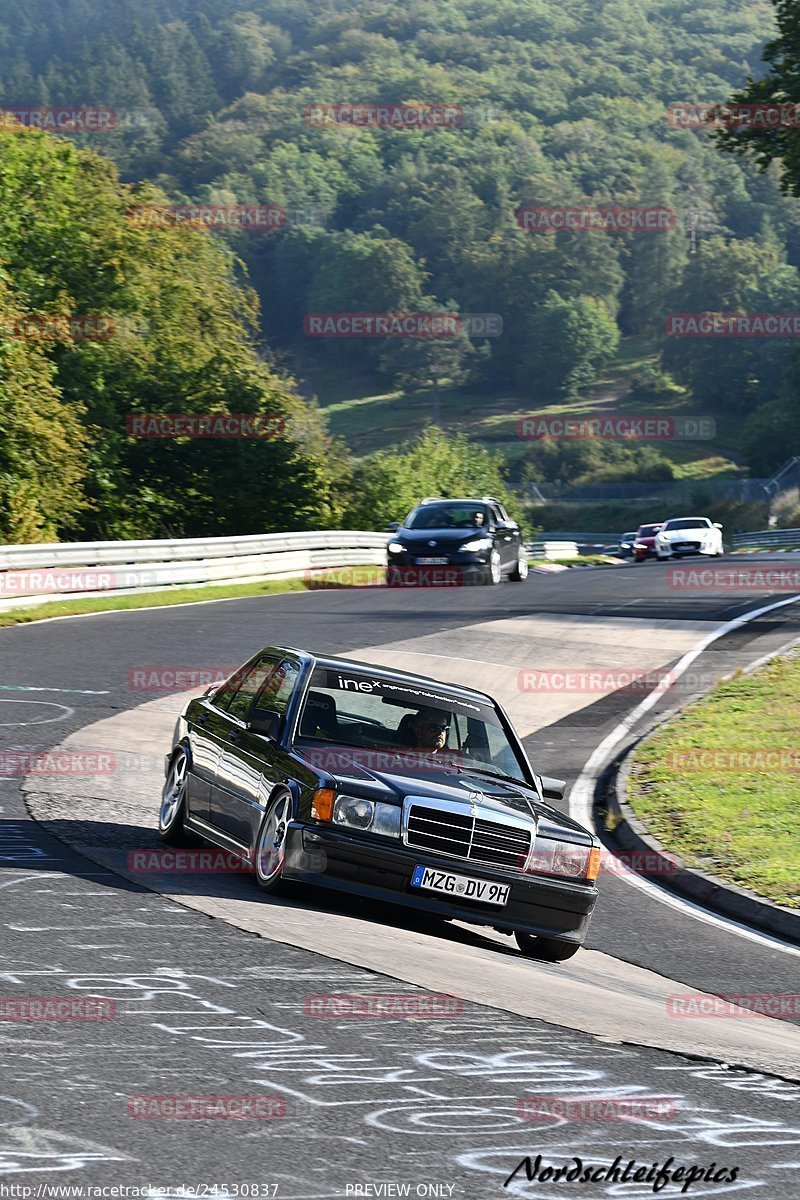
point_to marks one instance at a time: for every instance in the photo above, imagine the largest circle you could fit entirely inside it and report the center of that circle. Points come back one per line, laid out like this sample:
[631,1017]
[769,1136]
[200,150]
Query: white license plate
[460,887]
[432,562]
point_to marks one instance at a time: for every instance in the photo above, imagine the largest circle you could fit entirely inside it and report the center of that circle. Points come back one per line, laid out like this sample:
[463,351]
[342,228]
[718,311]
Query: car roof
[345,664]
[456,500]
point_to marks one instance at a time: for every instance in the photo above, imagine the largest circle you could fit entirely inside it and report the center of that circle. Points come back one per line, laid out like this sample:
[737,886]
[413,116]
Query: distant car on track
[644,543]
[626,543]
[385,784]
[476,539]
[688,535]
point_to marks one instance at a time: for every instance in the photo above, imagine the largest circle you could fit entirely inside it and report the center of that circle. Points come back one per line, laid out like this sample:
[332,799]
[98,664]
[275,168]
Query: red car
[644,542]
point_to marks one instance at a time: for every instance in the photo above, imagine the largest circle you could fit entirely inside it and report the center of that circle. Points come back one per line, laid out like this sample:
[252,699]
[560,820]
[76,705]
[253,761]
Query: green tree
[391,483]
[570,341]
[41,439]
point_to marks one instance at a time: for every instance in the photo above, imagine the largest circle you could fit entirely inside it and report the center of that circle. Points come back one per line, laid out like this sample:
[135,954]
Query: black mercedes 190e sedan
[384,784]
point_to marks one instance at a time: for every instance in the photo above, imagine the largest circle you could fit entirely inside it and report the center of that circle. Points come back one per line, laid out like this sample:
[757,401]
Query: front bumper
[673,551]
[355,863]
[469,562]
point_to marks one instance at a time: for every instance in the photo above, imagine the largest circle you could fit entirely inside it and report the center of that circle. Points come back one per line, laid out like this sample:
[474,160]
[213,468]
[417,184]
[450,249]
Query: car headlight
[552,857]
[395,547]
[476,544]
[371,815]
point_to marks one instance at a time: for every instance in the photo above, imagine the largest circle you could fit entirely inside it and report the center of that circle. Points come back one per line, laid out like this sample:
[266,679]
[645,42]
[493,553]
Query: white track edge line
[581,802]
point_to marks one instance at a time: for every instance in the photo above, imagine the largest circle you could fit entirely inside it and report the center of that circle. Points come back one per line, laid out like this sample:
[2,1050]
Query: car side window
[497,517]
[251,684]
[226,691]
[276,690]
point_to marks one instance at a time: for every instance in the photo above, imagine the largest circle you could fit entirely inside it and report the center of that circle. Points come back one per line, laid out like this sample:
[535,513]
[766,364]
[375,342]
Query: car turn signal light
[322,804]
[593,869]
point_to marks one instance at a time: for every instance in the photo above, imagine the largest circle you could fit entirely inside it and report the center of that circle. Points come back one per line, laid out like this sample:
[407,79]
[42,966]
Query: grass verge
[100,603]
[720,786]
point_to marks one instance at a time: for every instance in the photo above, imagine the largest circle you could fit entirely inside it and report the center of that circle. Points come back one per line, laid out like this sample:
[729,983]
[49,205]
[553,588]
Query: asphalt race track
[211,982]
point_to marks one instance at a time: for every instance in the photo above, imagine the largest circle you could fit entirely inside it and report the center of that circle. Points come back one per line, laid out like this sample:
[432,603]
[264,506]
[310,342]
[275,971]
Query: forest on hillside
[559,102]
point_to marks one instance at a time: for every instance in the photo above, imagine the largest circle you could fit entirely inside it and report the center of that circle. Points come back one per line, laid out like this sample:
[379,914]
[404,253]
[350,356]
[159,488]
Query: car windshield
[648,531]
[687,523]
[448,516]
[418,724]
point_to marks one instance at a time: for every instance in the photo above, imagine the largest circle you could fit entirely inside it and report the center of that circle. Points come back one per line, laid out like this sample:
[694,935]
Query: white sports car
[688,535]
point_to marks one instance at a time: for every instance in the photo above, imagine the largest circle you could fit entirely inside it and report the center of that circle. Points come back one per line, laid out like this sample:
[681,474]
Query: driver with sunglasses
[426,729]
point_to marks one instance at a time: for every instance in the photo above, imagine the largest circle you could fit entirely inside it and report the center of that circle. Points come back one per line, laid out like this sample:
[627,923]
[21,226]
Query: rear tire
[545,949]
[520,571]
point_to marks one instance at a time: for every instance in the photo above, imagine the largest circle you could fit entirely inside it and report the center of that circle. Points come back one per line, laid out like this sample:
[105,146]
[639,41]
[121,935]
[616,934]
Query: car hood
[684,535]
[443,538]
[393,785]
[645,541]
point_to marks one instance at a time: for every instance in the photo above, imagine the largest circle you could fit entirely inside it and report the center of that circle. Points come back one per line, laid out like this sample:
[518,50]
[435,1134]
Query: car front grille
[460,835]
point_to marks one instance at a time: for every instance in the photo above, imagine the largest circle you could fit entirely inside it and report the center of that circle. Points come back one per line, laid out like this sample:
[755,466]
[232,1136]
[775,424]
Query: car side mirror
[717,525]
[393,527]
[553,789]
[266,722]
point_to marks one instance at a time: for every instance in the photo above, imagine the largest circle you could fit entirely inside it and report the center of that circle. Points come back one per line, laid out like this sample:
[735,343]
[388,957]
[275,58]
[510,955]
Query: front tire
[545,949]
[520,571]
[171,818]
[494,572]
[270,851]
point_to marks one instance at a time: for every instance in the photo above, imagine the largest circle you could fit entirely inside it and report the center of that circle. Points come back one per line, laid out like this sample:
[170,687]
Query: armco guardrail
[768,537]
[41,573]
[554,550]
